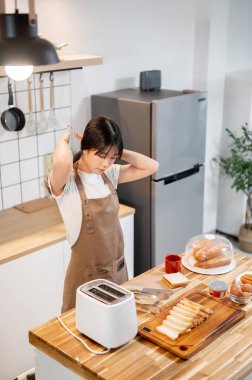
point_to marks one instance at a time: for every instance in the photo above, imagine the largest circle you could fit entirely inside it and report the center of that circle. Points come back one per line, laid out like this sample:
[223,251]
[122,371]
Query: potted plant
[238,167]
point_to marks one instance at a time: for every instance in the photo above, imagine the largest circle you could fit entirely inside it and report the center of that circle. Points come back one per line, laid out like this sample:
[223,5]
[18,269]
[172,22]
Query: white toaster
[106,313]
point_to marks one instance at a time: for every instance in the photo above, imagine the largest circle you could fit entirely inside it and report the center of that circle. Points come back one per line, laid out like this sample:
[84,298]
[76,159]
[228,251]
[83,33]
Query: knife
[147,290]
[152,296]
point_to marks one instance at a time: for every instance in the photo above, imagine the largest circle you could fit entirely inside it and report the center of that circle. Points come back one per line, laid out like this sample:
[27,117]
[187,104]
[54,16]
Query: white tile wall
[42,189]
[28,147]
[1,202]
[41,166]
[9,152]
[10,174]
[63,116]
[11,195]
[30,190]
[4,134]
[4,86]
[21,153]
[46,143]
[29,169]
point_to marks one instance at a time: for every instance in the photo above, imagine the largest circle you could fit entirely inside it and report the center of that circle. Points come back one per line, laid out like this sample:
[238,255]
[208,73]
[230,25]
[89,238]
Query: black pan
[12,119]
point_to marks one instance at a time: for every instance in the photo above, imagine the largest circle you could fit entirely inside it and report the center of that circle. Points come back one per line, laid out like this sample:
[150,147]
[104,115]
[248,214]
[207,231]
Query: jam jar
[218,289]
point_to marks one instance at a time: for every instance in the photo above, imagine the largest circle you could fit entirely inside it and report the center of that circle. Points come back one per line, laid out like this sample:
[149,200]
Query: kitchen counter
[229,356]
[23,233]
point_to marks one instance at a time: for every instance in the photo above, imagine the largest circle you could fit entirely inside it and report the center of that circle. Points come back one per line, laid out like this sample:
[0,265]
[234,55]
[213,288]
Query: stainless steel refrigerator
[169,126]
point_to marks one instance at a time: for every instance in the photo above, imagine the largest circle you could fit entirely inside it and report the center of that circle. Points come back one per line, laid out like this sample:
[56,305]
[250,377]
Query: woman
[84,187]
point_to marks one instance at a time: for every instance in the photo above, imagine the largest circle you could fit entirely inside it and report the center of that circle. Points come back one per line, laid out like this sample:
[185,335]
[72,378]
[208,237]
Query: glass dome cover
[210,254]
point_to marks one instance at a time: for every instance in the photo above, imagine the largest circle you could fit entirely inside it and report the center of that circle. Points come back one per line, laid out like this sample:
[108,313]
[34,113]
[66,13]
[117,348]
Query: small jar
[218,289]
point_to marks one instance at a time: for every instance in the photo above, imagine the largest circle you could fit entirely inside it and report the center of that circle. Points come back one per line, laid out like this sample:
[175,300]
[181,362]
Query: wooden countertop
[23,233]
[229,356]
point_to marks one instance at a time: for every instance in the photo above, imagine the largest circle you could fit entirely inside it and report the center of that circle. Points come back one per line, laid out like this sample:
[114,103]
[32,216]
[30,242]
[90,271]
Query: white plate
[218,270]
[238,278]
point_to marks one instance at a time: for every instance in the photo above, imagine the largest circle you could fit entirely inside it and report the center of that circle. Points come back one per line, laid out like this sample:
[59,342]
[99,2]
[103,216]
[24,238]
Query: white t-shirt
[69,201]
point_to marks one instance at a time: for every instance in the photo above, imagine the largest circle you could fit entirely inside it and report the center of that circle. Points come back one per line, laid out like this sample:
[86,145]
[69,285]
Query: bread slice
[190,309]
[190,314]
[175,280]
[172,334]
[196,305]
[182,317]
[174,320]
[174,326]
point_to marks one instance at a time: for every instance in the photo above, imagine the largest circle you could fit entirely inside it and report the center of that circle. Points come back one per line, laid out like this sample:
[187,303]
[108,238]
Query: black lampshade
[20,45]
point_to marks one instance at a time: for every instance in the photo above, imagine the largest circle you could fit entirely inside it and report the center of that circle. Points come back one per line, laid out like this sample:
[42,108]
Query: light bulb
[18,72]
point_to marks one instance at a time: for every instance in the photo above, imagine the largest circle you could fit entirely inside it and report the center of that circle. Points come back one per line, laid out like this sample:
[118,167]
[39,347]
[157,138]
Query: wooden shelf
[67,62]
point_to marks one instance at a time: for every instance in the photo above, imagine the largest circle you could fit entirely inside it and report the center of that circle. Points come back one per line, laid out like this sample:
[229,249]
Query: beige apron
[99,249]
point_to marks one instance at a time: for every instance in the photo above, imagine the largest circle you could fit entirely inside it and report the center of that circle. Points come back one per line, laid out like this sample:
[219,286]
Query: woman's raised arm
[139,166]
[62,164]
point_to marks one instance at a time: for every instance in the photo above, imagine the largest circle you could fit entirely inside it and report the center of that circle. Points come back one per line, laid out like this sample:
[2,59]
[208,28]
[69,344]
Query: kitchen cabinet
[31,280]
[127,224]
[30,291]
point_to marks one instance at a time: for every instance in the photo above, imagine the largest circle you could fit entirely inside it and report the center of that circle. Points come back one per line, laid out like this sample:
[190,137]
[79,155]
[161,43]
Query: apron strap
[109,183]
[86,212]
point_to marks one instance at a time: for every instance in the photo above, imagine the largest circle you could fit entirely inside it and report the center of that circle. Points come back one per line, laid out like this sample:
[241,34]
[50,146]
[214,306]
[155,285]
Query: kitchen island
[228,356]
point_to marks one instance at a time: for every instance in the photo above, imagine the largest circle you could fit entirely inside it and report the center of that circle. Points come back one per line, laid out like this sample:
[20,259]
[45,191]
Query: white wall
[140,35]
[209,73]
[236,108]
[132,36]
[239,52]
[185,39]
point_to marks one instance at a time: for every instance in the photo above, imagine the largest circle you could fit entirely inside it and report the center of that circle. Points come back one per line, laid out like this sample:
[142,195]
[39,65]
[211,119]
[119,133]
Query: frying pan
[12,119]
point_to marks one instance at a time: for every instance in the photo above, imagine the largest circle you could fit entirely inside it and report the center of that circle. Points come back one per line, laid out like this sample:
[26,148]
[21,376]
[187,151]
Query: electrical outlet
[24,375]
[47,164]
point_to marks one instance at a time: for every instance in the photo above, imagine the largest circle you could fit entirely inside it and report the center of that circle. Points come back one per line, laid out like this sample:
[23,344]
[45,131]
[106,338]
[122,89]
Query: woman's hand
[78,136]
[62,163]
[66,135]
[139,166]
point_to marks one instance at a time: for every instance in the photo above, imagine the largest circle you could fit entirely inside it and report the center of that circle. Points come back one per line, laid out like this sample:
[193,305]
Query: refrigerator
[169,126]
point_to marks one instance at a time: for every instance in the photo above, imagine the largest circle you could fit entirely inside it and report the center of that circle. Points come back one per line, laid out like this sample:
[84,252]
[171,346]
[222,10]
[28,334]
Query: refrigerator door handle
[181,175]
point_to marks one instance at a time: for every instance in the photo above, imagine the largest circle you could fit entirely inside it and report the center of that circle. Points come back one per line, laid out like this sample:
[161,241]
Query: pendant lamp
[20,46]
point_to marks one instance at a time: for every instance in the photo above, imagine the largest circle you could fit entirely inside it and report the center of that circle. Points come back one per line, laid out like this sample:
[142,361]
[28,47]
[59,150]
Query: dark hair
[100,133]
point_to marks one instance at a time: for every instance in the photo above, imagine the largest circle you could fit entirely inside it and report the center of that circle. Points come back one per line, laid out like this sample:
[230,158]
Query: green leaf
[237,165]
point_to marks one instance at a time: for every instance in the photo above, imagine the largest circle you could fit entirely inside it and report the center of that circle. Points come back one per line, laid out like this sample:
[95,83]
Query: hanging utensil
[52,121]
[31,122]
[42,124]
[12,119]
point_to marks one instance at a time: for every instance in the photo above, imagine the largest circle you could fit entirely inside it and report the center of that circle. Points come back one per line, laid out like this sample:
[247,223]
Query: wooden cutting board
[224,316]
[35,205]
